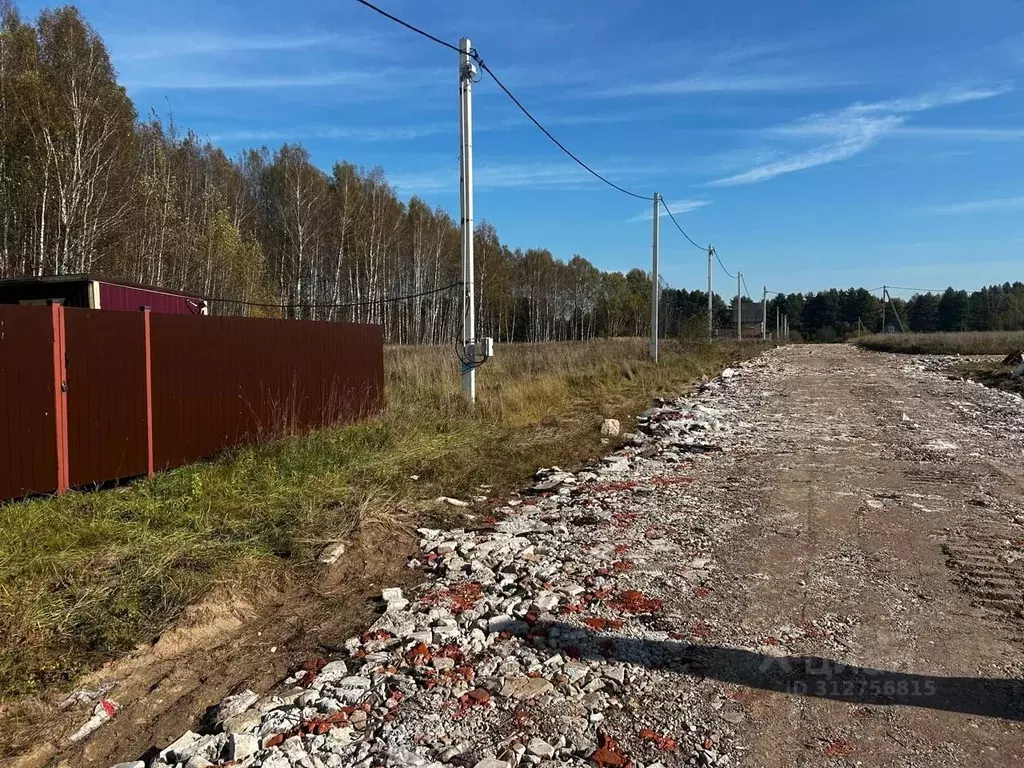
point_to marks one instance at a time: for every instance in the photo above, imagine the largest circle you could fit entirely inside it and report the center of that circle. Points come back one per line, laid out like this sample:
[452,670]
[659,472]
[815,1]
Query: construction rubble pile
[558,631]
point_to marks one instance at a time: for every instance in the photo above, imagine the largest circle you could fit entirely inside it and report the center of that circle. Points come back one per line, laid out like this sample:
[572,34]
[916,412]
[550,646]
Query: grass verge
[992,374]
[87,576]
[967,343]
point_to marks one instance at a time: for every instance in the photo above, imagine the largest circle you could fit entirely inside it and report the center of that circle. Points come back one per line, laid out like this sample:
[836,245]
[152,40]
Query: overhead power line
[719,260]
[919,290]
[681,230]
[333,305]
[409,26]
[547,133]
[476,57]
[745,289]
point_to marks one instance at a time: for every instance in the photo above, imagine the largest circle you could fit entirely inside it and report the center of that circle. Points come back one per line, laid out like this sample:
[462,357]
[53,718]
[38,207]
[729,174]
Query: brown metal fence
[106,394]
[32,445]
[91,396]
[221,381]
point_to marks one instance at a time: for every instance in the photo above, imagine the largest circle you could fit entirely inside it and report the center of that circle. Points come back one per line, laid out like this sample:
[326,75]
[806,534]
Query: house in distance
[93,292]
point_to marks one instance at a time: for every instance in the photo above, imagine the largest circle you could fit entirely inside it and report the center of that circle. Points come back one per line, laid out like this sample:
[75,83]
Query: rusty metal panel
[106,397]
[30,377]
[223,381]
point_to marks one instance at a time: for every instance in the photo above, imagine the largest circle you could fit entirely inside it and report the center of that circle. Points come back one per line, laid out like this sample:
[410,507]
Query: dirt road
[817,561]
[888,504]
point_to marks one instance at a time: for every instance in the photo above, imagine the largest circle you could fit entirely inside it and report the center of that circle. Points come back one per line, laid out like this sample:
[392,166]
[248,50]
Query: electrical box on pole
[467,73]
[655,284]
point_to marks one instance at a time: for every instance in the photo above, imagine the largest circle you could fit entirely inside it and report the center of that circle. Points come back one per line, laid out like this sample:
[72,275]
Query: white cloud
[347,134]
[375,84]
[179,44]
[859,135]
[979,206]
[200,81]
[961,134]
[677,207]
[404,133]
[852,130]
[721,83]
[511,176]
[932,100]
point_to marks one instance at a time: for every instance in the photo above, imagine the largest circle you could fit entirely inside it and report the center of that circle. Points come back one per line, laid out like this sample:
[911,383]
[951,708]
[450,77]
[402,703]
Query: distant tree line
[88,187]
[833,314]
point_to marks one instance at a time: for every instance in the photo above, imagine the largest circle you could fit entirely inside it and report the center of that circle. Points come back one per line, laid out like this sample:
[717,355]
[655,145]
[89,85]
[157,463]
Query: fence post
[147,362]
[60,395]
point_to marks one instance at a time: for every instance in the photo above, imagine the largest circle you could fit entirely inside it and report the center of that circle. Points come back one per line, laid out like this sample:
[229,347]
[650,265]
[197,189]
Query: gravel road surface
[815,560]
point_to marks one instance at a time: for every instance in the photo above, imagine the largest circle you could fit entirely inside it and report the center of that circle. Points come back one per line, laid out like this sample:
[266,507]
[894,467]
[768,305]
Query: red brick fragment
[601,625]
[608,753]
[418,655]
[634,601]
[661,742]
[479,695]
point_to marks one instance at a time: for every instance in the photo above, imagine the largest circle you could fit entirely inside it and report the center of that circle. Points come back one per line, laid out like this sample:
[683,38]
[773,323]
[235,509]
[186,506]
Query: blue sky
[815,144]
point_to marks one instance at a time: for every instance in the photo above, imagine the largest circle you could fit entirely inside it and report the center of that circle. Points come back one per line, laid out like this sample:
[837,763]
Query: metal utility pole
[883,310]
[711,306]
[739,306]
[778,323]
[467,71]
[655,285]
[764,315]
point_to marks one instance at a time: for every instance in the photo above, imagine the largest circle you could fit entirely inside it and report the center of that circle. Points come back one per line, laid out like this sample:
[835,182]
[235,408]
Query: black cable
[919,290]
[665,206]
[385,300]
[479,60]
[476,57]
[547,133]
[409,26]
[745,289]
[730,274]
[474,364]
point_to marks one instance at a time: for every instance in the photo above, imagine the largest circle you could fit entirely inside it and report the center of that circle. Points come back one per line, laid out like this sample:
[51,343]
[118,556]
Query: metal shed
[95,292]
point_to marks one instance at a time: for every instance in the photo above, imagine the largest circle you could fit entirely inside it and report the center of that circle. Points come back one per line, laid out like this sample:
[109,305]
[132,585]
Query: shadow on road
[807,675]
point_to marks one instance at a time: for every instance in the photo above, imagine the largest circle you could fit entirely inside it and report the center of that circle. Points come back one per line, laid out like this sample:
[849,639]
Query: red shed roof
[43,279]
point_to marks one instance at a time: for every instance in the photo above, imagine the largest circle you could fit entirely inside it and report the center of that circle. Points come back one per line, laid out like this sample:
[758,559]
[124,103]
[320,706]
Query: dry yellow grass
[967,343]
[86,576]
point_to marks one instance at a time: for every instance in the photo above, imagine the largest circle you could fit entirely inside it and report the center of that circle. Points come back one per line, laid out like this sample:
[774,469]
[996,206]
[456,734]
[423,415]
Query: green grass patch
[86,576]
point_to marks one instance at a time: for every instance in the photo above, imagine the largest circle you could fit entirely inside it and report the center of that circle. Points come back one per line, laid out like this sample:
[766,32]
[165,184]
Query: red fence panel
[106,400]
[96,395]
[221,381]
[32,453]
